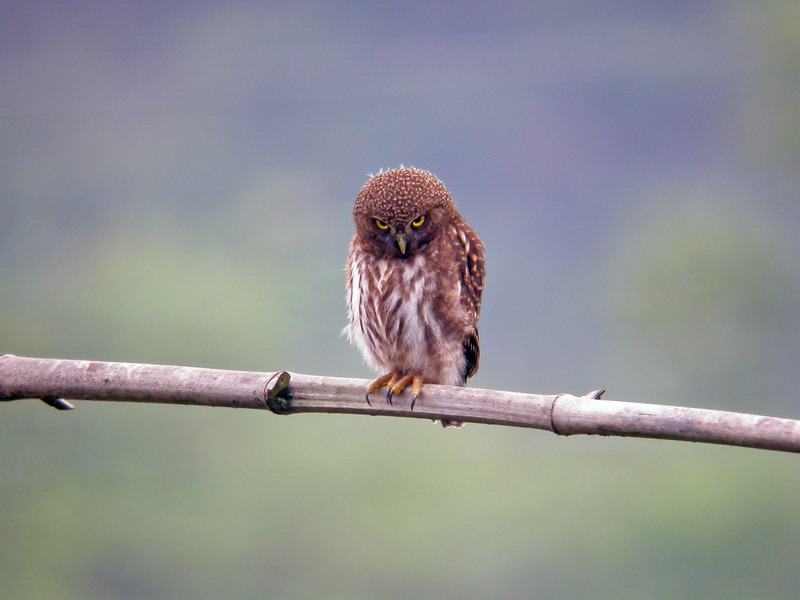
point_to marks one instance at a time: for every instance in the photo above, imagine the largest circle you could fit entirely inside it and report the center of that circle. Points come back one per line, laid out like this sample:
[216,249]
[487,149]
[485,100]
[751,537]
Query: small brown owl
[414,280]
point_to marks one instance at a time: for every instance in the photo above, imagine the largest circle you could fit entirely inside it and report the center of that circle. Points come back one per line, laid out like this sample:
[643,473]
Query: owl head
[399,212]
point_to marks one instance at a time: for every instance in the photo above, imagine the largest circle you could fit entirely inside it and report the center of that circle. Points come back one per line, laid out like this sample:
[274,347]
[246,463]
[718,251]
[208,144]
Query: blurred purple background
[176,181]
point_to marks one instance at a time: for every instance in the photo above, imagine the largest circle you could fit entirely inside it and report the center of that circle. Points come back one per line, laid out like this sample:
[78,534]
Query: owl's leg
[401,384]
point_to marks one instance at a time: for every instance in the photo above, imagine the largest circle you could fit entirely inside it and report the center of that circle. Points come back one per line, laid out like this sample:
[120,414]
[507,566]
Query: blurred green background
[176,181]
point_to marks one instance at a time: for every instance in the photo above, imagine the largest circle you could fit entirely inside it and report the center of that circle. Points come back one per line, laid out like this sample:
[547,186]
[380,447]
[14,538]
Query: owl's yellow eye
[381,225]
[419,221]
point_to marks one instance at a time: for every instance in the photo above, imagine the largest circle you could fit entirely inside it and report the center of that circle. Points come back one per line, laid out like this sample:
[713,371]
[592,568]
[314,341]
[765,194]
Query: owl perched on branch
[414,280]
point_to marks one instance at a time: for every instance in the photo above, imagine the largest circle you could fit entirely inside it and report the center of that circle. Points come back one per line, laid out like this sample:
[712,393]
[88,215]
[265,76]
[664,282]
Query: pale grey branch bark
[57,381]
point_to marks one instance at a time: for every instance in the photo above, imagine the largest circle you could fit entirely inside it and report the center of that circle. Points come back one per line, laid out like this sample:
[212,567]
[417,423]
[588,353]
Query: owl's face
[399,212]
[386,235]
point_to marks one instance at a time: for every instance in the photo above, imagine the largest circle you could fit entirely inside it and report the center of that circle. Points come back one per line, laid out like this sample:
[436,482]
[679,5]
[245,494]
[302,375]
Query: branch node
[276,393]
[553,414]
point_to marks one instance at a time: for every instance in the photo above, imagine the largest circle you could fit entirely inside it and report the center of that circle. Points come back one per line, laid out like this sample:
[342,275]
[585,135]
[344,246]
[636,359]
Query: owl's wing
[472,276]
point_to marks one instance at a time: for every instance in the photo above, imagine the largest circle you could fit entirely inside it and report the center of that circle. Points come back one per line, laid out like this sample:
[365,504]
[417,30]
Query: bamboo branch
[55,381]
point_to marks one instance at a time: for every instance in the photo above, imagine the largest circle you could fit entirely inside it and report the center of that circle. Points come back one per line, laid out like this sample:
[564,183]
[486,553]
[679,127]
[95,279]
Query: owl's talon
[416,389]
[389,396]
[383,380]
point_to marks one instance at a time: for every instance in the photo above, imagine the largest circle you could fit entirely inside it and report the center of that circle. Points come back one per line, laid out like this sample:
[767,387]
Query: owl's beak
[402,241]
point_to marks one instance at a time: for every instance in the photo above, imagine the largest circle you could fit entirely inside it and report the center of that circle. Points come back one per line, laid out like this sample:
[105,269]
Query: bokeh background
[176,181]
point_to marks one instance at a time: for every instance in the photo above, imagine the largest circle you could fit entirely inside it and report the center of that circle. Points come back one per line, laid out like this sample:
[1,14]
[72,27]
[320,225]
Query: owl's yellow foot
[396,384]
[401,384]
[381,381]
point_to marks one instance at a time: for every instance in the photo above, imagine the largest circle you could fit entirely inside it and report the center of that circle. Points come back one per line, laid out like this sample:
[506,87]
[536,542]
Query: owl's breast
[398,313]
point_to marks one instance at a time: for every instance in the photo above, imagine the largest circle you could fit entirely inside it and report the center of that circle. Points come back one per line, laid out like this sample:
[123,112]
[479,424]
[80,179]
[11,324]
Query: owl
[414,280]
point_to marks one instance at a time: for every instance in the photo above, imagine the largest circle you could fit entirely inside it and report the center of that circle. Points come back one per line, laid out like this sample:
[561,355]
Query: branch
[54,381]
